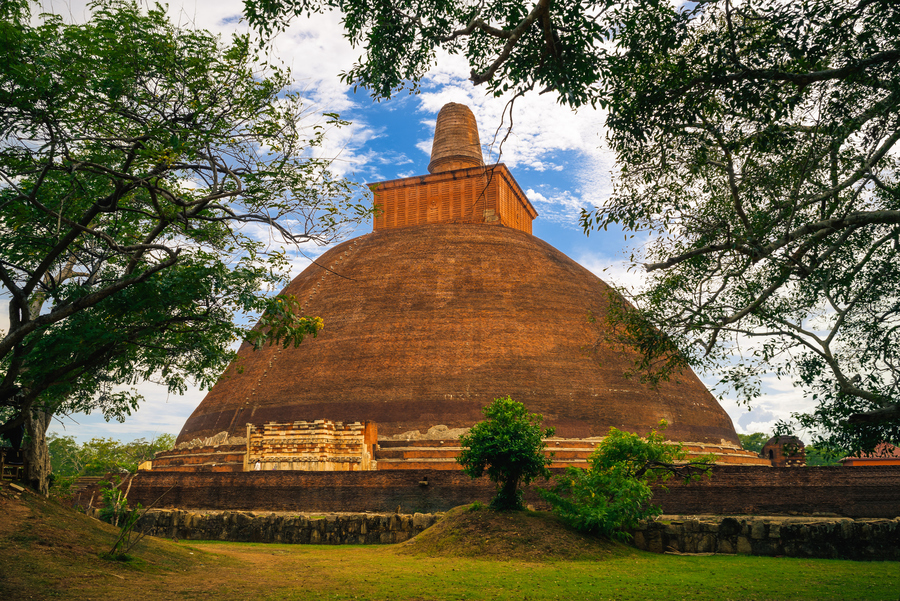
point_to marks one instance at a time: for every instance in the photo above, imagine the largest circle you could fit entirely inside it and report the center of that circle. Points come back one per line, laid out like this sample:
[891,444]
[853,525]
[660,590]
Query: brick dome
[425,325]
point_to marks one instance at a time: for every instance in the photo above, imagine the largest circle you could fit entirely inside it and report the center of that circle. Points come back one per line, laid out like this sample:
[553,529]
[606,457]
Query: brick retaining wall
[851,492]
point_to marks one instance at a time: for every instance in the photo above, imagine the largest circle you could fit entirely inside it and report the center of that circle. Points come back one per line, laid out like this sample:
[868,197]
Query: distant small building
[884,454]
[784,451]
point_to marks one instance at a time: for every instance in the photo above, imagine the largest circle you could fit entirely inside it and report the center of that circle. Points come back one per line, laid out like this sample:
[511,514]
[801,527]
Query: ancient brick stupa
[447,304]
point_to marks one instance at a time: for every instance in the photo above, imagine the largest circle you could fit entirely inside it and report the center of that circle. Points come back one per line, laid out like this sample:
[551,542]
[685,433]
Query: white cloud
[161,413]
[541,128]
[558,206]
[616,272]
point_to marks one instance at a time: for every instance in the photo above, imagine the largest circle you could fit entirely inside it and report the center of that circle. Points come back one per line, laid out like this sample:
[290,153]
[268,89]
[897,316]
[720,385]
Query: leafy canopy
[761,151]
[147,175]
[101,456]
[753,442]
[508,445]
[756,140]
[613,493]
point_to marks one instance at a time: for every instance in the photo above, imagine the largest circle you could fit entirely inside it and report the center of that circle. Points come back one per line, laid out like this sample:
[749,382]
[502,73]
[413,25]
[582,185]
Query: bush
[613,494]
[509,446]
[115,507]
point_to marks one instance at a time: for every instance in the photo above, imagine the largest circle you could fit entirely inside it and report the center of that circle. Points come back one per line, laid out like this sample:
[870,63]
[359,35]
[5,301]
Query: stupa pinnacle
[456,144]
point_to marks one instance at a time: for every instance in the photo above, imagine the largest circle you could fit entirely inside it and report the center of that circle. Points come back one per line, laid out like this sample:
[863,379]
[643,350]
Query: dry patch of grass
[472,531]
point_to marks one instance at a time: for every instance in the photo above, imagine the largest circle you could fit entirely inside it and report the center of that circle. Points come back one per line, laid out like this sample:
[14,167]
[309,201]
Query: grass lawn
[48,552]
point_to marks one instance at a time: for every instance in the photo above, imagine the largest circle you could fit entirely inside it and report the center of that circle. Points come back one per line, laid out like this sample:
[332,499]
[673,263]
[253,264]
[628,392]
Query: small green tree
[100,456]
[509,446]
[613,494]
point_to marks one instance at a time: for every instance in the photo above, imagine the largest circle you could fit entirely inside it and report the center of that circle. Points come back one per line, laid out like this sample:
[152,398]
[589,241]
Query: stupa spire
[456,144]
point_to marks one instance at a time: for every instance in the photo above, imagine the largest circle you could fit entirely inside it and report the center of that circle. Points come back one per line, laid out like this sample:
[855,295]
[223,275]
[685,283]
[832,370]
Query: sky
[557,156]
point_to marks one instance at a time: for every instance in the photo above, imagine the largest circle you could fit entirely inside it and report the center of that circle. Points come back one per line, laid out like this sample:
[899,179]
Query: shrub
[613,494]
[509,447]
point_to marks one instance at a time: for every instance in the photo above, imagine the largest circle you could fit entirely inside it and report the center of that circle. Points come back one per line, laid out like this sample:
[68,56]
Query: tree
[508,446]
[769,181]
[101,456]
[143,171]
[818,457]
[757,149]
[613,493]
[753,442]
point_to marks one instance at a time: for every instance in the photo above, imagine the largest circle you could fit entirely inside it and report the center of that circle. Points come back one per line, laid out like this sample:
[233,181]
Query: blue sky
[556,155]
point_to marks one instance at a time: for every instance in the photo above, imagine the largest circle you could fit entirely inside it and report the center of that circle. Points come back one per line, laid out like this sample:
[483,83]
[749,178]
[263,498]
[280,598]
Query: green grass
[52,553]
[367,573]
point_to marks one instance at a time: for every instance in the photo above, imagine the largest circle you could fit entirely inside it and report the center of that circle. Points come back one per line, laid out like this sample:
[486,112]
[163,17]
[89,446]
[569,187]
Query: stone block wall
[249,527]
[789,537]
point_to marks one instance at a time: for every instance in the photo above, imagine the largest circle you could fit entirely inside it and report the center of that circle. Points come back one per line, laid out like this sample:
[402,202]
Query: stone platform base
[398,454]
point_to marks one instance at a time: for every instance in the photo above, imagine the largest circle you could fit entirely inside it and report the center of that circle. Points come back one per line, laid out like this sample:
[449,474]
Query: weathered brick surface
[208,458]
[456,141]
[485,195]
[320,445]
[439,454]
[312,491]
[426,325]
[851,492]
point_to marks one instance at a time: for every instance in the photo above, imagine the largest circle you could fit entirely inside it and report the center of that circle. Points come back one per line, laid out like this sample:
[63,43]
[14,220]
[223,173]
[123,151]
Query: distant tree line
[101,456]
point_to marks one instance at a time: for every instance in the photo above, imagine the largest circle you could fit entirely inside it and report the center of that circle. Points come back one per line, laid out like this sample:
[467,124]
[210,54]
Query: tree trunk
[34,449]
[508,497]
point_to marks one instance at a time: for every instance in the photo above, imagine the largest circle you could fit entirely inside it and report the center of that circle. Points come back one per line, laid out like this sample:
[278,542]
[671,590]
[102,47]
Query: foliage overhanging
[145,173]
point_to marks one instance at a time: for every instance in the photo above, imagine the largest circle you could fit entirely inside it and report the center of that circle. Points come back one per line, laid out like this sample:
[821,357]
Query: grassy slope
[47,552]
[523,535]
